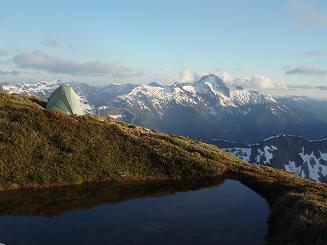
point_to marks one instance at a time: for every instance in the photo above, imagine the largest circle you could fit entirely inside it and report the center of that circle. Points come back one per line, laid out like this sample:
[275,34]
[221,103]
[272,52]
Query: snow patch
[292,168]
[243,153]
[313,164]
[115,116]
[266,155]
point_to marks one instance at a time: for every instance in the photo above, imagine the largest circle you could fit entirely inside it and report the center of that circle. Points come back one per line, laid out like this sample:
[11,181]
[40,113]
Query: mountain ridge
[295,154]
[205,109]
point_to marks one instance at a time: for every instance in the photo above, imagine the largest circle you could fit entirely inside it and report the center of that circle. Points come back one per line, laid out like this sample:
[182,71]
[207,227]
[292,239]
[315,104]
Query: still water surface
[224,213]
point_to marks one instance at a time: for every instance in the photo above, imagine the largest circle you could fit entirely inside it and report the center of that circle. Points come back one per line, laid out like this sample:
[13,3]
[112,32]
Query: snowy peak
[212,84]
[42,89]
[209,91]
[231,97]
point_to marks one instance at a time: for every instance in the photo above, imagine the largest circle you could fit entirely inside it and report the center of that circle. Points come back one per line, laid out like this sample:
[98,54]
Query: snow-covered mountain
[307,158]
[208,108]
[205,109]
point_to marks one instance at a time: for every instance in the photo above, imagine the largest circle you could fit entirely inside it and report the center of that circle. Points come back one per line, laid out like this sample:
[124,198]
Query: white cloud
[230,79]
[309,12]
[254,82]
[187,75]
[40,61]
[262,82]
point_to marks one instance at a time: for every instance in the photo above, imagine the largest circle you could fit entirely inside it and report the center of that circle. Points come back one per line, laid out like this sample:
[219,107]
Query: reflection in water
[161,213]
[55,201]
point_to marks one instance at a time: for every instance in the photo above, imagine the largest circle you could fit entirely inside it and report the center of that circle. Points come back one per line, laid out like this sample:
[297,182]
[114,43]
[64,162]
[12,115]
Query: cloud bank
[262,82]
[10,73]
[40,61]
[305,71]
[254,82]
[303,87]
[315,53]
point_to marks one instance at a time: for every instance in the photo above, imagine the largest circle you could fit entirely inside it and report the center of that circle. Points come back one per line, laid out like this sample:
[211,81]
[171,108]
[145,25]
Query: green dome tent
[65,100]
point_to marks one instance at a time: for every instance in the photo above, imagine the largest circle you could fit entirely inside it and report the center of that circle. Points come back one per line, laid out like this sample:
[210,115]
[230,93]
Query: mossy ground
[41,148]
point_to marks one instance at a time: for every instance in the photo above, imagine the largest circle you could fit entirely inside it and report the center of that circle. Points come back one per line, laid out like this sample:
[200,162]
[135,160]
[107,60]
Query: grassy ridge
[40,148]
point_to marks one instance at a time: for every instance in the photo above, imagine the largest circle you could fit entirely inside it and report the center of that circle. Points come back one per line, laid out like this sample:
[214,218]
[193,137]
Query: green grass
[41,148]
[45,148]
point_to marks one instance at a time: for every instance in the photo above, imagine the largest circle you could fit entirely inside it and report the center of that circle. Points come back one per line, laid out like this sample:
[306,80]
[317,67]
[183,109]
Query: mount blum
[205,109]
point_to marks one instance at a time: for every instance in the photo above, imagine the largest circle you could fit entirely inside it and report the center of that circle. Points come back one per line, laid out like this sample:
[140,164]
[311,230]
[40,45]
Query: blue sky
[275,44]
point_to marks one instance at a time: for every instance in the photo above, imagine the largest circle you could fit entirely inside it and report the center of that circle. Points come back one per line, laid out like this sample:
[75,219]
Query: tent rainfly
[65,100]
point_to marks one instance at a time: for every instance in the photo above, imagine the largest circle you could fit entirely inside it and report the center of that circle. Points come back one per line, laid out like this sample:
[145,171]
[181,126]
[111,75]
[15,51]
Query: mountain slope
[205,109]
[307,158]
[40,148]
[316,107]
